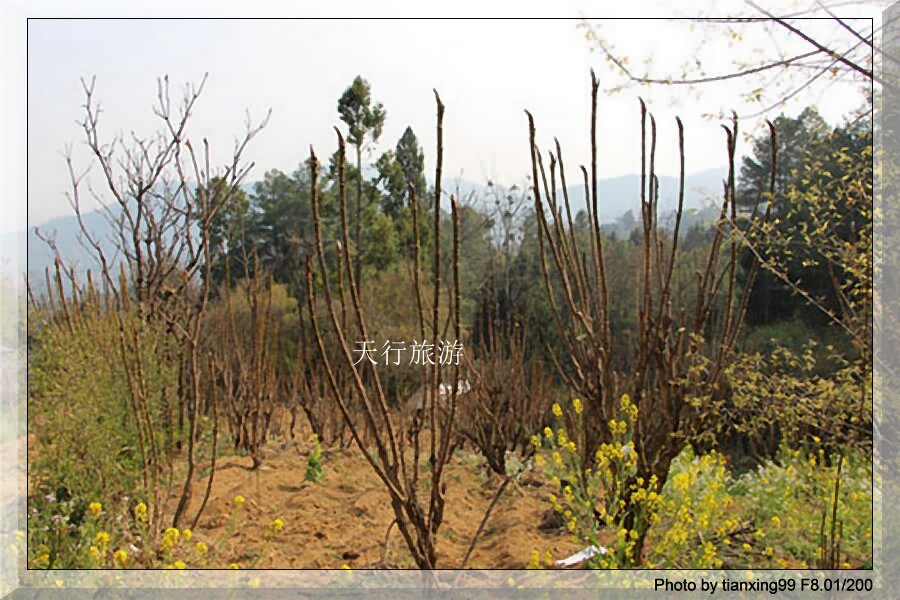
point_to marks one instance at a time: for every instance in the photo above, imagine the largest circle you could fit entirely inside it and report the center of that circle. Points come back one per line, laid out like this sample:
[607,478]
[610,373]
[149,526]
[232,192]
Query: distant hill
[616,196]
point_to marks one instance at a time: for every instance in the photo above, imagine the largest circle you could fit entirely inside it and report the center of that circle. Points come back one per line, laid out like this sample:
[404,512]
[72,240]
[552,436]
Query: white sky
[487,72]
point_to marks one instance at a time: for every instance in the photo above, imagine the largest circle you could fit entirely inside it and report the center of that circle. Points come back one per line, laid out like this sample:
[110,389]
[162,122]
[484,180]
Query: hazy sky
[487,72]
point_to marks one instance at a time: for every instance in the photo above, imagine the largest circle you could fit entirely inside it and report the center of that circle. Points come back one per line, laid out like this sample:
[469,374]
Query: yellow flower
[187,534]
[557,410]
[202,548]
[239,501]
[173,533]
[769,551]
[576,404]
[346,567]
[170,538]
[276,525]
[746,546]
[94,552]
[95,508]
[234,566]
[102,540]
[179,564]
[121,557]
[536,441]
[140,512]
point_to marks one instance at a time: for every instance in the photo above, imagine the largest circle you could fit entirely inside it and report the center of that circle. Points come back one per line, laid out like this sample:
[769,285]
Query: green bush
[80,414]
[789,495]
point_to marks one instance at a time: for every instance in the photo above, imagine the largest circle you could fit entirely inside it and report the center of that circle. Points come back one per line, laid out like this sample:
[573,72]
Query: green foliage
[704,516]
[280,224]
[411,159]
[79,407]
[384,253]
[820,233]
[782,398]
[88,448]
[227,233]
[282,324]
[697,514]
[356,110]
[315,463]
[605,495]
[393,180]
[787,497]
[72,533]
[796,335]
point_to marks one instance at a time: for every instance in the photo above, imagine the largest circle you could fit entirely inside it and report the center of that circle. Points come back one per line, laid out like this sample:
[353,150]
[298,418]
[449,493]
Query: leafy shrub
[80,412]
[790,494]
[596,497]
[315,470]
[697,514]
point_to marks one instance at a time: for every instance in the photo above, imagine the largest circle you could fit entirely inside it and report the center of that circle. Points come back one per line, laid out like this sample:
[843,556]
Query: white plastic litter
[580,557]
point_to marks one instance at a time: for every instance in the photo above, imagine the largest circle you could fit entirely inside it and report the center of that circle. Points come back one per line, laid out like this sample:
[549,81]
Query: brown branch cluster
[397,457]
[677,375]
[160,195]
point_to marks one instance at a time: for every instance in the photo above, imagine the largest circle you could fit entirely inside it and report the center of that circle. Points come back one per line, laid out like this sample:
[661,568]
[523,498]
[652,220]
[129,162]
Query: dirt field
[342,520]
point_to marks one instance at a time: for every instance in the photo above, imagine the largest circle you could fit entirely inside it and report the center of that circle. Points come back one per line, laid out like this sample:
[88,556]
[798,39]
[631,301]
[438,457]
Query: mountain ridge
[616,196]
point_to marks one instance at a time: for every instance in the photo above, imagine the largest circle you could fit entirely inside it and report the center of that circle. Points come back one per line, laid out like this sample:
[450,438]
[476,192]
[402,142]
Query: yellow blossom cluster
[170,538]
[594,496]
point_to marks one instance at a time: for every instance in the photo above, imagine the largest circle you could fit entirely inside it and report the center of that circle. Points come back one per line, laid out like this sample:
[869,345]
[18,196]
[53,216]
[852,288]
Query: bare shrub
[678,361]
[160,197]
